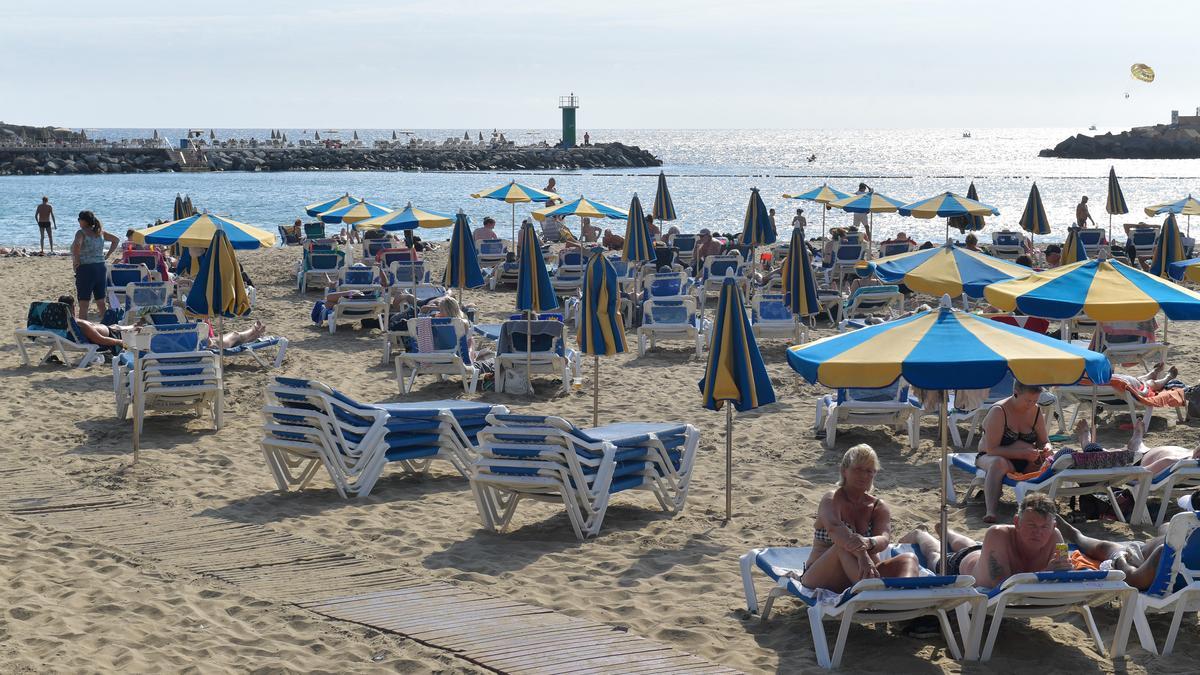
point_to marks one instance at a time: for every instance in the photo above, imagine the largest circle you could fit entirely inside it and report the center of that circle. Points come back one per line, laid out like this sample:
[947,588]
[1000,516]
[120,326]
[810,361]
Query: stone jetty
[1162,141]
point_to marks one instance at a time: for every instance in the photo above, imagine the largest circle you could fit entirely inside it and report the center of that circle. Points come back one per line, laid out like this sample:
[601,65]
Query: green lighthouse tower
[569,105]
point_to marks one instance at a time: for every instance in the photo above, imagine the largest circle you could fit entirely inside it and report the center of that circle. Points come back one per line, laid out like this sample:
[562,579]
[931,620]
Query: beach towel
[1140,391]
[424,331]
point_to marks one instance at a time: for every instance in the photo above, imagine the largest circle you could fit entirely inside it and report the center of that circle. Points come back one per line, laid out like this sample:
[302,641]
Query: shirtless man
[46,223]
[1028,545]
[1082,214]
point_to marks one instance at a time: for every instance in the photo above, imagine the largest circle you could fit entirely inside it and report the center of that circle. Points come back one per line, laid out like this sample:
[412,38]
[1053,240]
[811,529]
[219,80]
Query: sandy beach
[76,604]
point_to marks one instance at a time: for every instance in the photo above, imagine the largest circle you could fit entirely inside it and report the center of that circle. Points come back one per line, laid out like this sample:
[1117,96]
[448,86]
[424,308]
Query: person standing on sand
[799,221]
[860,219]
[88,256]
[1082,214]
[46,223]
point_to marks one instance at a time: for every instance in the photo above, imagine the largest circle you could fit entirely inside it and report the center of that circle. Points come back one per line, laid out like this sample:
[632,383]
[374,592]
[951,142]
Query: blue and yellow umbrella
[409,218]
[972,222]
[199,230]
[823,195]
[218,290]
[1168,249]
[639,244]
[947,205]
[1188,206]
[1073,250]
[868,202]
[1115,203]
[187,265]
[735,372]
[462,266]
[757,228]
[1188,270]
[534,291]
[582,207]
[515,193]
[354,213]
[1033,218]
[948,269]
[317,208]
[664,208]
[601,331]
[1105,290]
[944,349]
[799,287]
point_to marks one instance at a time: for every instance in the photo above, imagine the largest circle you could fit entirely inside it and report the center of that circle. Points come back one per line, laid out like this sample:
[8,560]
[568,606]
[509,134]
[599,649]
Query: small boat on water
[966,134]
[1092,128]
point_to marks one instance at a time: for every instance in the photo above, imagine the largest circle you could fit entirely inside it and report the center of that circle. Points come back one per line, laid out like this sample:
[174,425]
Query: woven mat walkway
[496,633]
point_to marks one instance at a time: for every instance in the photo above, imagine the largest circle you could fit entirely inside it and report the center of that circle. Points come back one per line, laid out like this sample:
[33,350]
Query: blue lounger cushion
[1065,576]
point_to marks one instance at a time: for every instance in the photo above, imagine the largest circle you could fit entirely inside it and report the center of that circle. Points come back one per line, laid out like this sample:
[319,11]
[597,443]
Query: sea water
[709,172]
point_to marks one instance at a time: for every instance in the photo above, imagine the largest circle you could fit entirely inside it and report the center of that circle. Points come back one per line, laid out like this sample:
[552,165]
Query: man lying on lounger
[1138,560]
[110,335]
[1157,458]
[1028,545]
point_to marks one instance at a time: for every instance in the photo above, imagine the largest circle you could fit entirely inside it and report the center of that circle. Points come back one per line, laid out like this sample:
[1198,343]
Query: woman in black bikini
[1014,440]
[852,527]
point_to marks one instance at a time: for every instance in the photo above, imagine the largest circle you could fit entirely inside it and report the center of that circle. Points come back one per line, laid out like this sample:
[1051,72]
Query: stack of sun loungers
[548,458]
[307,425]
[175,371]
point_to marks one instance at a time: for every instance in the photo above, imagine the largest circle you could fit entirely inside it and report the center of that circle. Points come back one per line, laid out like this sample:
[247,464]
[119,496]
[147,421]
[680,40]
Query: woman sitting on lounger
[851,529]
[1014,440]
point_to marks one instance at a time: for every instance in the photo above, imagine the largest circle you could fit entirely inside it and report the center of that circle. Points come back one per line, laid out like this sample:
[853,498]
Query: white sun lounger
[50,325]
[1176,587]
[858,407]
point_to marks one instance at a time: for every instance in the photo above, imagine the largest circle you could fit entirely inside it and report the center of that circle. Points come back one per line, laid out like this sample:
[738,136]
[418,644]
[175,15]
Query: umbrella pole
[529,349]
[1166,325]
[1110,229]
[134,382]
[514,224]
[728,461]
[823,210]
[596,390]
[945,519]
[221,358]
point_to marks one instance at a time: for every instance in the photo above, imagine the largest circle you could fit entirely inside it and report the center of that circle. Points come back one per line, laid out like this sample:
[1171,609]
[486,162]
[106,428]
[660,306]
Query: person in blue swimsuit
[852,528]
[1014,440]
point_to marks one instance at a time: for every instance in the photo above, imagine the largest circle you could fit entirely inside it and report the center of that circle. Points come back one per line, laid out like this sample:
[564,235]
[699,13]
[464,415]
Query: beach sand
[672,579]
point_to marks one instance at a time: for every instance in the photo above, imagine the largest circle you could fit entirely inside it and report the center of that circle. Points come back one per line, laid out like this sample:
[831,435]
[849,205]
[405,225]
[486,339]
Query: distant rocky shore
[65,160]
[1162,141]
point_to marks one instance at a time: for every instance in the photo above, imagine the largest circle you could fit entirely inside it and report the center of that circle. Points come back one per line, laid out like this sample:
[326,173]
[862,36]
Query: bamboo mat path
[492,632]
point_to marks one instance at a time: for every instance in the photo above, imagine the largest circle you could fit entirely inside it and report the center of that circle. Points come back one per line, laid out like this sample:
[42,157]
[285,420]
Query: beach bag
[516,381]
[1192,395]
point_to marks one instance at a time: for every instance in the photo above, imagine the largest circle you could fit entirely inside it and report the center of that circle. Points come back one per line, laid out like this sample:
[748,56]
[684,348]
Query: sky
[633,63]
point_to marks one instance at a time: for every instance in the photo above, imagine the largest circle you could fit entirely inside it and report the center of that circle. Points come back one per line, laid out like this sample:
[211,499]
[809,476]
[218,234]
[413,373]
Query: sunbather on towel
[1028,545]
[1014,440]
[1157,458]
[851,528]
[235,338]
[94,332]
[1138,560]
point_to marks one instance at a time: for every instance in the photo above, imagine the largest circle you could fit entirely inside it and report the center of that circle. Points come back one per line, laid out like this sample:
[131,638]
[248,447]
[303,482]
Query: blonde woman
[852,528]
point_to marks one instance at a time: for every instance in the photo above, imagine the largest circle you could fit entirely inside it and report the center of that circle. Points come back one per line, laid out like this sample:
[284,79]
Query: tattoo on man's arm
[995,569]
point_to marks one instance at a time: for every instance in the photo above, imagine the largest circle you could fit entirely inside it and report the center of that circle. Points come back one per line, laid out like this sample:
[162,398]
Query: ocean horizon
[710,173]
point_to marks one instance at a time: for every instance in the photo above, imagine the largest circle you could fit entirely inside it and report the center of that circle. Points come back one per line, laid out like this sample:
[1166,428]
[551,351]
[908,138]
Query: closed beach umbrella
[188,209]
[947,270]
[944,349]
[823,195]
[199,230]
[799,287]
[515,193]
[177,210]
[664,208]
[1105,290]
[973,223]
[1115,203]
[601,330]
[317,208]
[462,266]
[1188,206]
[1033,218]
[947,205]
[534,291]
[639,245]
[735,376]
[218,290]
[1073,250]
[187,265]
[1168,248]
[757,228]
[408,218]
[354,213]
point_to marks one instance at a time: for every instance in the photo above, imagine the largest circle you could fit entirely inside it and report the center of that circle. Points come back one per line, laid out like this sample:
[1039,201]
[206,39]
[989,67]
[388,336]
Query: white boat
[1092,128]
[966,134]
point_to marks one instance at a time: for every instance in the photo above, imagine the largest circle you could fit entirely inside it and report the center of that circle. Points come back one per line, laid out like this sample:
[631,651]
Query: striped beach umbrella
[354,213]
[799,286]
[177,211]
[601,330]
[534,291]
[973,223]
[664,208]
[1073,250]
[947,270]
[198,231]
[1168,248]
[1033,218]
[639,245]
[218,290]
[944,349]
[462,265]
[1105,290]
[947,205]
[317,208]
[1185,270]
[735,373]
[408,218]
[582,207]
[869,203]
[757,228]
[1188,206]
[1115,203]
[823,195]
[187,265]
[515,193]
